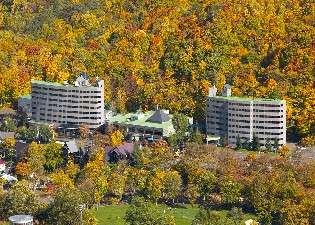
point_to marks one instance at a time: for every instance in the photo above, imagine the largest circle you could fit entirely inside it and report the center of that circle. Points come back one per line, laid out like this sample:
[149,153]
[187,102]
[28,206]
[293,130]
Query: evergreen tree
[275,144]
[255,143]
[238,142]
[268,144]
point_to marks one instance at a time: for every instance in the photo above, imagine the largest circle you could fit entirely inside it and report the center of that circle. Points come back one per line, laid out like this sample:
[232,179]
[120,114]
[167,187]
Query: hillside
[165,52]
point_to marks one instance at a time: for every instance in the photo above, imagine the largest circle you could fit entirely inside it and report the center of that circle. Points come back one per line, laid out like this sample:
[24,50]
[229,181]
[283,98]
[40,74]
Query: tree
[284,151]
[255,143]
[8,125]
[236,214]
[238,142]
[66,208]
[20,199]
[275,144]
[71,169]
[116,138]
[180,123]
[205,181]
[154,185]
[53,156]
[208,217]
[45,134]
[25,134]
[172,185]
[196,137]
[231,192]
[94,176]
[22,169]
[36,158]
[267,191]
[8,145]
[62,180]
[116,186]
[84,131]
[268,144]
[145,213]
[292,214]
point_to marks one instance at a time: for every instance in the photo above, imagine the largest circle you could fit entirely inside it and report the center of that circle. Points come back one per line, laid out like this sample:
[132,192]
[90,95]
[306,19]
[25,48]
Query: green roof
[237,98]
[212,138]
[141,121]
[26,96]
[46,83]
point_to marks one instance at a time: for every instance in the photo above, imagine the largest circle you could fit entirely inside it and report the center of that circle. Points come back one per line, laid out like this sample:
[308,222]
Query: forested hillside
[165,52]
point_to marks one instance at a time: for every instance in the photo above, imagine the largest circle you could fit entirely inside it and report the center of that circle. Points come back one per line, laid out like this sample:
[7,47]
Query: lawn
[114,214]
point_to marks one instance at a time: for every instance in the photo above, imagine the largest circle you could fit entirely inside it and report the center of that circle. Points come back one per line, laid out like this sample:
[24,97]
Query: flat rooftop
[246,99]
[47,83]
[26,96]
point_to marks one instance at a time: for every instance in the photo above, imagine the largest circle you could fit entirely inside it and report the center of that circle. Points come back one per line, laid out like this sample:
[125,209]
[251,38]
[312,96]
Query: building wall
[246,118]
[217,110]
[68,104]
[270,121]
[240,114]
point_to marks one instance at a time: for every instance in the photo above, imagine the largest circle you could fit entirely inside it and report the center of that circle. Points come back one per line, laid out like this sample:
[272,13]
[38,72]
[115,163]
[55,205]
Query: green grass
[114,214]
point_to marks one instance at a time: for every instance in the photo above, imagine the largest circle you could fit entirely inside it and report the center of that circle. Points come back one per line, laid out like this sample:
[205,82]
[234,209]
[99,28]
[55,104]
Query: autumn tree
[141,212]
[116,138]
[19,199]
[53,156]
[36,158]
[66,208]
[8,145]
[94,177]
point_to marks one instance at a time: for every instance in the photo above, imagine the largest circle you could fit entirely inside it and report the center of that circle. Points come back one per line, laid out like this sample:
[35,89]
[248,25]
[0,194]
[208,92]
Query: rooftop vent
[227,90]
[212,91]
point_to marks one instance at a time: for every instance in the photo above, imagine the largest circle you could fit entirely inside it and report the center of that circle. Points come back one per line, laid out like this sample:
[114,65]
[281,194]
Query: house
[235,118]
[4,135]
[70,148]
[122,152]
[8,177]
[7,112]
[2,165]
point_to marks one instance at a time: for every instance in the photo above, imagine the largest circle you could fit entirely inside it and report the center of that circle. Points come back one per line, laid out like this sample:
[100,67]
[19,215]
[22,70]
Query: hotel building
[232,117]
[80,103]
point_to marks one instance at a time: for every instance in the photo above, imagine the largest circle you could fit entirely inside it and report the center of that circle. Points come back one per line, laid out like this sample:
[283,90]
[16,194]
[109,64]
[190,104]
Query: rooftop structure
[4,135]
[151,122]
[231,117]
[21,220]
[2,165]
[58,103]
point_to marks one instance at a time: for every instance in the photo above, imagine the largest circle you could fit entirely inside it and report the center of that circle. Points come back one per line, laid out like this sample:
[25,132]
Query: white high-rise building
[80,103]
[231,117]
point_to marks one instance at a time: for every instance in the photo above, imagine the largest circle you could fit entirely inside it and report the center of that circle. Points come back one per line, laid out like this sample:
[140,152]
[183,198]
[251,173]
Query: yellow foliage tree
[116,138]
[22,169]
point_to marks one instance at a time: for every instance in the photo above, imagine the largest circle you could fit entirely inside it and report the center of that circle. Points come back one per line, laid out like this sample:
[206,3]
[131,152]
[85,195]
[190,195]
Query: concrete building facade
[231,117]
[80,103]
